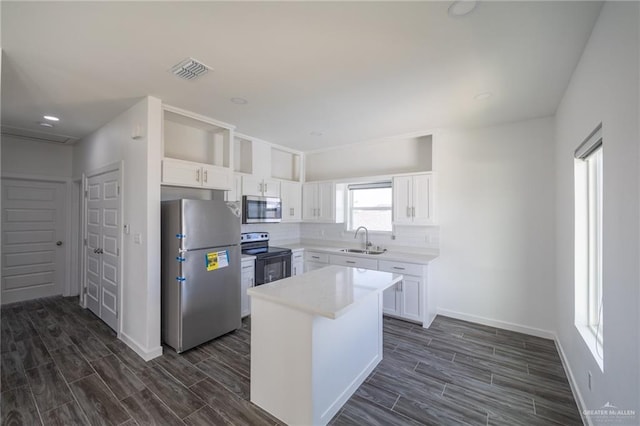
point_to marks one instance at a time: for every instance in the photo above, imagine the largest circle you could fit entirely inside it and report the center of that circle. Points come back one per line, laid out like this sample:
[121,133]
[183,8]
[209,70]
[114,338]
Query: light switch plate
[137,238]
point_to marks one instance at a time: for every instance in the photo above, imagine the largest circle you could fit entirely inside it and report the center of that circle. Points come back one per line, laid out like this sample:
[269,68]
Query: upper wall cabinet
[413,200]
[291,194]
[197,150]
[197,175]
[254,185]
[323,202]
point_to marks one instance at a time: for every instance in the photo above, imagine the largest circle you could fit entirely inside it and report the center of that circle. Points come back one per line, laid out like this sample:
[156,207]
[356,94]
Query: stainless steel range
[272,263]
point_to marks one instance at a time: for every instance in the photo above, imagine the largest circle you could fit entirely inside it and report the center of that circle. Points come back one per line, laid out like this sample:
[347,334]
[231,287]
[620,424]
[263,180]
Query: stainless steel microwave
[261,209]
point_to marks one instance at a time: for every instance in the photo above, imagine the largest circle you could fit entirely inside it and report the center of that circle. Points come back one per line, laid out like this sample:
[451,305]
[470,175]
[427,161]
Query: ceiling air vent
[190,69]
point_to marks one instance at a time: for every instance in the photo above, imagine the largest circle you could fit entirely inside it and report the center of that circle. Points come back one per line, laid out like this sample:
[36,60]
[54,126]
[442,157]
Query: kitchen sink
[360,251]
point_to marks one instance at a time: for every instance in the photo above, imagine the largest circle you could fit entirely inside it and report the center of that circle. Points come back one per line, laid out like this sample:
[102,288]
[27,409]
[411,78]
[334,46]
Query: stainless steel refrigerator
[200,271]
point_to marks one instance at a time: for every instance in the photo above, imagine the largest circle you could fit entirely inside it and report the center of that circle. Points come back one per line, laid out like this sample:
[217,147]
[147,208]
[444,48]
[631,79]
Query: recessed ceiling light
[316,133]
[45,124]
[239,101]
[462,7]
[482,96]
[51,118]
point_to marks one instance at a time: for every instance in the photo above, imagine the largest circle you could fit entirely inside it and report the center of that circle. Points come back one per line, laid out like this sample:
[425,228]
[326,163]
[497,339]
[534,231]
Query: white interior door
[103,246]
[33,227]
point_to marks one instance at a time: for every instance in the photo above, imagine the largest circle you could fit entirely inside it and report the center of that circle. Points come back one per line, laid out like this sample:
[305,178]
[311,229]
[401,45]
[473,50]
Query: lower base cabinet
[247,280]
[297,262]
[315,260]
[403,300]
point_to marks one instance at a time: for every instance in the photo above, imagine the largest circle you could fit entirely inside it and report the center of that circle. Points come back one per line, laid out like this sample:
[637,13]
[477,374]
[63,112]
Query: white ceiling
[353,71]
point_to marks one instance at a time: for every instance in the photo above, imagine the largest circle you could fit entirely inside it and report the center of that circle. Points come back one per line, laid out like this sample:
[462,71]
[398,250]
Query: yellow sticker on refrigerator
[216,260]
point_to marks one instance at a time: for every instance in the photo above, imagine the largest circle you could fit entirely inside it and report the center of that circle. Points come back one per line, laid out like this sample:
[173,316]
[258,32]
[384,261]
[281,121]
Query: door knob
[95,251]
[58,243]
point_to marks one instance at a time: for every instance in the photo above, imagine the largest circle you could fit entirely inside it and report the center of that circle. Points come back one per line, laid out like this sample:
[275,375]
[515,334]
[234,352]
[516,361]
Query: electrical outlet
[589,376]
[137,238]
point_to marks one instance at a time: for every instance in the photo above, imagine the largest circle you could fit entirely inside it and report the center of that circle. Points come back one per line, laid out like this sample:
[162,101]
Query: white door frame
[118,166]
[69,242]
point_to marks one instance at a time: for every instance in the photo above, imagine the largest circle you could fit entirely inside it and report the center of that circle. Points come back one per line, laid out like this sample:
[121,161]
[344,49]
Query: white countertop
[329,292]
[392,255]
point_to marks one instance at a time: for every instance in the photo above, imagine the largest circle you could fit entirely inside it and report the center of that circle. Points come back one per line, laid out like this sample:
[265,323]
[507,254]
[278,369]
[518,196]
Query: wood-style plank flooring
[60,365]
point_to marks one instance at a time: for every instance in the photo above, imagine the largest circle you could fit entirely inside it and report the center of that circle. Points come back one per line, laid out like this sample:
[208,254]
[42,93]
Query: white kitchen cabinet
[323,202]
[353,261]
[291,195]
[413,200]
[247,276]
[315,260]
[297,262]
[196,150]
[187,173]
[260,187]
[235,194]
[406,298]
[391,302]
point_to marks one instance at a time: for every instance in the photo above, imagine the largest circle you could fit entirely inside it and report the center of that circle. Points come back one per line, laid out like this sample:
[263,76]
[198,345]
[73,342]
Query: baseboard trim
[572,382]
[147,355]
[498,324]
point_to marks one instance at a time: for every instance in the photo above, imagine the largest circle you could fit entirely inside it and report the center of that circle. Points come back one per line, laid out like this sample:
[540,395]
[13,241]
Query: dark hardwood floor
[62,366]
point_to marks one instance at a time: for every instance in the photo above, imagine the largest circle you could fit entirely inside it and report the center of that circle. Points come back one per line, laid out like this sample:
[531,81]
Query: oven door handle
[273,256]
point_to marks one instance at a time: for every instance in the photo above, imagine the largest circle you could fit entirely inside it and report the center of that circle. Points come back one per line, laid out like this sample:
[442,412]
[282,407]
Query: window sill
[589,338]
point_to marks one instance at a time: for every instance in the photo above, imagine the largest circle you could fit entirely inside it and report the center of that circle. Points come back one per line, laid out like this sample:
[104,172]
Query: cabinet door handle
[408,211]
[247,267]
[291,211]
[198,175]
[315,257]
[260,187]
[351,262]
[399,286]
[266,187]
[398,268]
[413,212]
[205,175]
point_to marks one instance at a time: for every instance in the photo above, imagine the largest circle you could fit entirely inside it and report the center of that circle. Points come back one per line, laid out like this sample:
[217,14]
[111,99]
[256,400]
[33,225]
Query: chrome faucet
[367,243]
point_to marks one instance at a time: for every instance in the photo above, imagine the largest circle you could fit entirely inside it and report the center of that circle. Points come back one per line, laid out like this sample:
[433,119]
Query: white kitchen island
[314,339]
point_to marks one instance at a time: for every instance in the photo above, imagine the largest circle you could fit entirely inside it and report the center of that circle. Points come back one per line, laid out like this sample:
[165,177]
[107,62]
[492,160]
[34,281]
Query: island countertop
[329,292]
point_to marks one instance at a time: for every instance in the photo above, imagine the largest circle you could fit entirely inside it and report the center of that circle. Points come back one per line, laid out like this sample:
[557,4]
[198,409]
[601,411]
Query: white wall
[30,157]
[495,208]
[140,316]
[604,88]
[390,156]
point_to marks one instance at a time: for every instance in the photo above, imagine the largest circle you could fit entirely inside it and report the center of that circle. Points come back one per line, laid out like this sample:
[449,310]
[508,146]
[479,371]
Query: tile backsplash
[414,237]
[279,233]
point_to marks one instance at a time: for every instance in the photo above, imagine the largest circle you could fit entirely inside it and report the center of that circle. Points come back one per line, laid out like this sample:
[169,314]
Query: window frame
[594,241]
[349,227]
[588,239]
